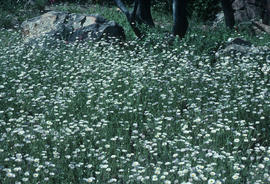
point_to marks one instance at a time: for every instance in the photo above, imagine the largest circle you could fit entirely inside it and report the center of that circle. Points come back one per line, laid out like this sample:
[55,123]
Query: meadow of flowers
[135,112]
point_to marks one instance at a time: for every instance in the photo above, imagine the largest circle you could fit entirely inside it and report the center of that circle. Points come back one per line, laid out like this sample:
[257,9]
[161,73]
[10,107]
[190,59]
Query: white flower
[261,166]
[135,164]
[89,180]
[193,175]
[107,146]
[112,180]
[104,166]
[235,176]
[157,171]
[89,166]
[35,175]
[16,169]
[154,178]
[25,179]
[10,175]
[162,177]
[211,181]
[230,39]
[197,120]
[166,173]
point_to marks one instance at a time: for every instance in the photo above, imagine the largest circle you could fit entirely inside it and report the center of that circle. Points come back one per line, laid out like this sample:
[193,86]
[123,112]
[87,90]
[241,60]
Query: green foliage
[6,20]
[164,6]
[247,28]
[73,113]
[8,9]
[207,44]
[14,12]
[204,9]
[11,5]
[201,9]
[40,4]
[100,2]
[134,112]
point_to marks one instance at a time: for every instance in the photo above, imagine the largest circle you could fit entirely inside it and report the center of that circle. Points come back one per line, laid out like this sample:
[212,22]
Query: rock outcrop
[260,27]
[246,10]
[70,27]
[253,15]
[240,47]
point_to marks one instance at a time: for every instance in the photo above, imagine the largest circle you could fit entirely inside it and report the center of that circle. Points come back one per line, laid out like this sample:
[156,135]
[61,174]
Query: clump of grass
[136,112]
[13,13]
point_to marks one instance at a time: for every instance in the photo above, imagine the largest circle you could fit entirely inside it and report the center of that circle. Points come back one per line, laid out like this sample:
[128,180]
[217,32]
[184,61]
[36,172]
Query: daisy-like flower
[135,164]
[157,171]
[107,146]
[16,169]
[35,175]
[154,178]
[193,175]
[235,176]
[211,181]
[10,175]
[162,177]
[261,166]
[25,179]
[89,180]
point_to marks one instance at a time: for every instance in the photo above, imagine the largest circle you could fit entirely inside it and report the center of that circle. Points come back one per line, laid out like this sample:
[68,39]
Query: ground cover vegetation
[138,111]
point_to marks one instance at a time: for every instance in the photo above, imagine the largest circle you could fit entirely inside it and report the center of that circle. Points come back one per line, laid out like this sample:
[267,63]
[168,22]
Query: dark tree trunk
[228,13]
[180,21]
[266,14]
[143,13]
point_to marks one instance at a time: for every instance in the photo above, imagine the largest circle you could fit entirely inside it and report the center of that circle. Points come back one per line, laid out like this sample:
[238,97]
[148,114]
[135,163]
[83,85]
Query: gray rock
[260,27]
[219,19]
[239,41]
[239,47]
[11,21]
[245,10]
[251,14]
[235,46]
[241,16]
[266,13]
[254,11]
[238,5]
[70,27]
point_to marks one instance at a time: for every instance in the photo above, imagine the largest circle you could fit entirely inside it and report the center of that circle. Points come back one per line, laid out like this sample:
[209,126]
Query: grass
[136,112]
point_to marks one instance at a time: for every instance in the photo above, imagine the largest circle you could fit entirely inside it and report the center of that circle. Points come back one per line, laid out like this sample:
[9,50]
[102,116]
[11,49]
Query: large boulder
[239,47]
[235,46]
[246,10]
[260,27]
[250,15]
[266,14]
[70,27]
